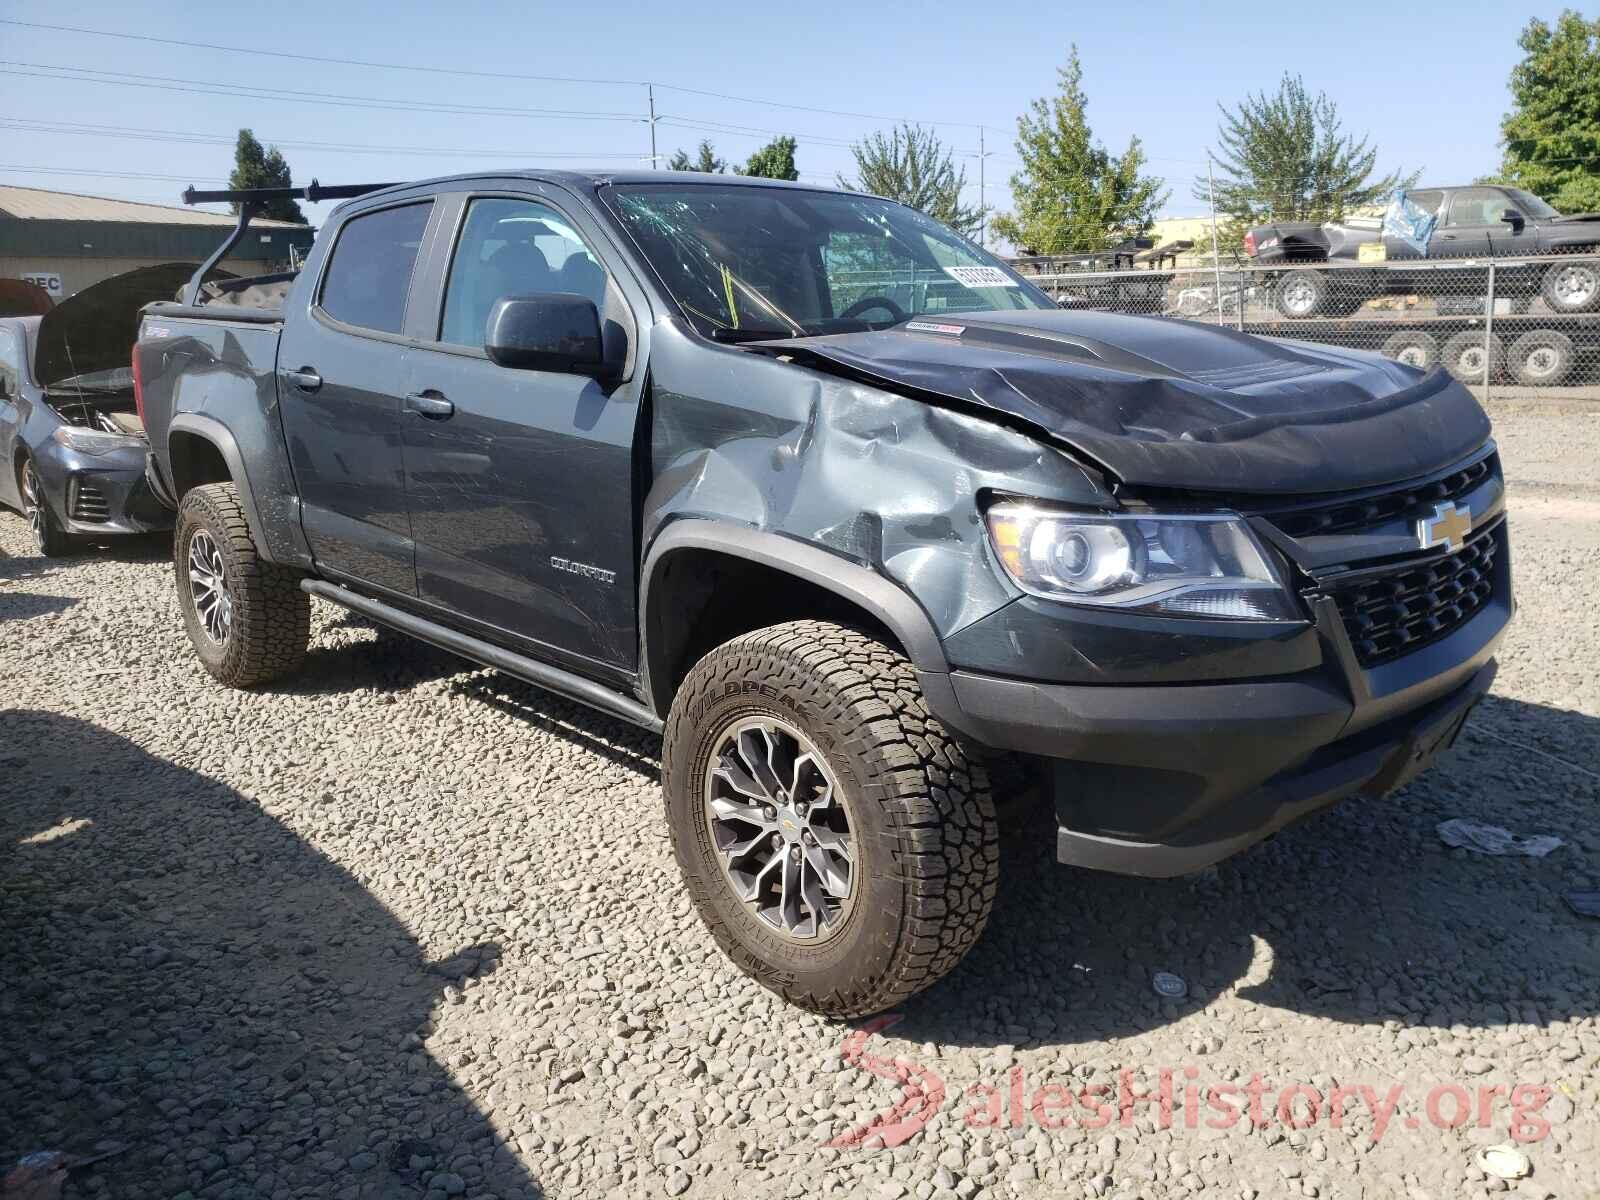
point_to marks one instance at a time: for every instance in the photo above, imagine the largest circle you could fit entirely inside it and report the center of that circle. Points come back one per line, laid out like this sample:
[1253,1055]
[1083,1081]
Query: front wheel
[49,539]
[838,843]
[247,618]
[1572,287]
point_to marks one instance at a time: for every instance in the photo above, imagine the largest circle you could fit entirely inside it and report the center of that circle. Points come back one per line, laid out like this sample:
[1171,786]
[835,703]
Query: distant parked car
[71,441]
[1468,223]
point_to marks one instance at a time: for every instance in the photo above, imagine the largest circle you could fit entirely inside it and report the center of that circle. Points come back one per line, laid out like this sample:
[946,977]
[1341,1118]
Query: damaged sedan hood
[1169,403]
[95,329]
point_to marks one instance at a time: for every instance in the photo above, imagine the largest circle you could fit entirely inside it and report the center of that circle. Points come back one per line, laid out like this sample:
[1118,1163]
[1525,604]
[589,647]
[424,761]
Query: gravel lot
[407,928]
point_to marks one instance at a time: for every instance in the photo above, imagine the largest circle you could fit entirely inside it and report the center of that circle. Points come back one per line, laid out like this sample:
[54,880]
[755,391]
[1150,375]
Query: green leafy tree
[1286,157]
[913,166]
[775,160]
[1552,133]
[1071,194]
[705,160]
[255,166]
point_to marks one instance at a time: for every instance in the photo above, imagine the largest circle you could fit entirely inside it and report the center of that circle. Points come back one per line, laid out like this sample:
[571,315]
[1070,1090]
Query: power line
[472,73]
[329,99]
[132,133]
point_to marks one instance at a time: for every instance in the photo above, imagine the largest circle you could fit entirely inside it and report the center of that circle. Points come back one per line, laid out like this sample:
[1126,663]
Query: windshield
[1531,205]
[755,261]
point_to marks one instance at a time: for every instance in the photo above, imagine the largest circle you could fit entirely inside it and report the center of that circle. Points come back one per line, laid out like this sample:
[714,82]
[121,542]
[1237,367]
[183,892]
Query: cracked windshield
[750,262]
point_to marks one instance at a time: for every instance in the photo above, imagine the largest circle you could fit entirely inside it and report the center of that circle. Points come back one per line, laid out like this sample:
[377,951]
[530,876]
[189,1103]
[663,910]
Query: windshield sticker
[980,277]
[935,327]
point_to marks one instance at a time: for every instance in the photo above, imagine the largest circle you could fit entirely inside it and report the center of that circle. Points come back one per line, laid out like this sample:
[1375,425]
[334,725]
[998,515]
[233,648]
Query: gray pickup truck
[1471,226]
[850,512]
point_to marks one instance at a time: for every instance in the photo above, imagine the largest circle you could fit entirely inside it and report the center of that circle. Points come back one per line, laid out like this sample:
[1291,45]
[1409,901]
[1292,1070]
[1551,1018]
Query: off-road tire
[927,854]
[271,622]
[49,538]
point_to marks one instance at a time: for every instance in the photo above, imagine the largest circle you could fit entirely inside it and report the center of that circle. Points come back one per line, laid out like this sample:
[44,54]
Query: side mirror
[552,331]
[1512,218]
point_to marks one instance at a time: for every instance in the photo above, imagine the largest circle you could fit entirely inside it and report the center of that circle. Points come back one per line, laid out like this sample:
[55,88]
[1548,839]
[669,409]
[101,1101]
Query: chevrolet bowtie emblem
[1448,527]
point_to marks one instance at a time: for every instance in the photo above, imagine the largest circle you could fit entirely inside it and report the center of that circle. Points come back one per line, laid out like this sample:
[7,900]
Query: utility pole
[1216,254]
[655,162]
[983,207]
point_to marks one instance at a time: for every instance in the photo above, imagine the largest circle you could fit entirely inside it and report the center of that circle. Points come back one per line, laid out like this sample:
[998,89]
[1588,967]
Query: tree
[775,160]
[913,166]
[1552,133]
[1071,195]
[1285,157]
[255,167]
[706,161]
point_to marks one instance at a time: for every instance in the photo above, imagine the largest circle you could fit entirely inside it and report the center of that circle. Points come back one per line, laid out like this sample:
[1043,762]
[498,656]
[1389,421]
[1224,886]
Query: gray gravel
[405,928]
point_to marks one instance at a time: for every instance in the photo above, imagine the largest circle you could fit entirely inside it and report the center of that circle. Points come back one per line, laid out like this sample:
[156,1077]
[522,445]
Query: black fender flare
[846,578]
[209,429]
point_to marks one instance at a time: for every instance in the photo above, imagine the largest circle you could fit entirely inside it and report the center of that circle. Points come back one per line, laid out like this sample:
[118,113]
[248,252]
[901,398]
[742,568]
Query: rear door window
[368,278]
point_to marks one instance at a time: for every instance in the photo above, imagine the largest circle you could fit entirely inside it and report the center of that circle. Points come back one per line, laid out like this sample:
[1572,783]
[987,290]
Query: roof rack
[251,202]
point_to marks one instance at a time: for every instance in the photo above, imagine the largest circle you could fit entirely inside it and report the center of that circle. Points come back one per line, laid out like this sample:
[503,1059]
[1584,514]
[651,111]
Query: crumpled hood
[1169,403]
[95,330]
[1573,218]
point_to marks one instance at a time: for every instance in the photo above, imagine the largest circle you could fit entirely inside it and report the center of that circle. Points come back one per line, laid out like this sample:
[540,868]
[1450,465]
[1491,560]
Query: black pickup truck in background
[848,511]
[1480,222]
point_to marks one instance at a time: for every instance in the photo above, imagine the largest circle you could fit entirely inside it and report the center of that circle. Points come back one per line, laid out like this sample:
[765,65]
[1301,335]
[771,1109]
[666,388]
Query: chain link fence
[1511,326]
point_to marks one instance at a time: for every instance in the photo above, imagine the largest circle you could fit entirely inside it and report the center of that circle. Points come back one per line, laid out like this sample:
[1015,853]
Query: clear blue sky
[1426,80]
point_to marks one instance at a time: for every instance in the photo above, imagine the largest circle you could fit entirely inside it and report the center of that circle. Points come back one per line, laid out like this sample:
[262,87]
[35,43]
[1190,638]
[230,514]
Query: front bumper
[101,496]
[1164,779]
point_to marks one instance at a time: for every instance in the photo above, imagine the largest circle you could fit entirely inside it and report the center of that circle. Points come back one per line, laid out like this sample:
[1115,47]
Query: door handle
[430,404]
[1447,237]
[306,379]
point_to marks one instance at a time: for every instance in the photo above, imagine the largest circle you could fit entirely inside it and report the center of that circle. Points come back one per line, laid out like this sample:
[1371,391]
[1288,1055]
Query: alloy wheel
[1576,285]
[1299,297]
[33,504]
[781,828]
[208,587]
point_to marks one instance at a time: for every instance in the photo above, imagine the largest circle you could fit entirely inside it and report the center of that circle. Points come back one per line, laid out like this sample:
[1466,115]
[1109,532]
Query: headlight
[1201,566]
[93,441]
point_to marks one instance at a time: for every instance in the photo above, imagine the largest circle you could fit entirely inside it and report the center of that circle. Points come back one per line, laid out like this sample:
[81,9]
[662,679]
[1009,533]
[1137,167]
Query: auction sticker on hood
[980,277]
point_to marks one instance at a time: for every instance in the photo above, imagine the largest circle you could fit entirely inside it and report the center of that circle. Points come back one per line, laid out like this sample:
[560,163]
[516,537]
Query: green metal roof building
[65,242]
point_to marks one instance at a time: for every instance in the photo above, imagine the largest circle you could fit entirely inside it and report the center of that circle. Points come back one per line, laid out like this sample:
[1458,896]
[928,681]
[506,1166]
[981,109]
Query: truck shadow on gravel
[1360,915]
[370,657]
[193,991]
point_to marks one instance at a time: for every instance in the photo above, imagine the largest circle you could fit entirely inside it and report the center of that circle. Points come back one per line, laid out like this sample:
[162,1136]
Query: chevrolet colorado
[849,511]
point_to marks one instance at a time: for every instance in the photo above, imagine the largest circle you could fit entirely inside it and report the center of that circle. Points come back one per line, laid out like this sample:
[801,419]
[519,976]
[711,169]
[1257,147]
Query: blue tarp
[1408,221]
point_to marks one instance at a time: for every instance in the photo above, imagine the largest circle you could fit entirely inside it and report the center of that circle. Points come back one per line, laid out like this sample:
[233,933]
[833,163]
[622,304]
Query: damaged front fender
[887,484]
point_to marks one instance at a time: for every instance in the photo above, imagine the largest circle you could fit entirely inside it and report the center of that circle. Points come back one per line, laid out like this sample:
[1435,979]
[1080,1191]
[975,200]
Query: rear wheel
[1572,287]
[1302,294]
[1414,348]
[838,843]
[1542,358]
[247,618]
[1471,358]
[49,539]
